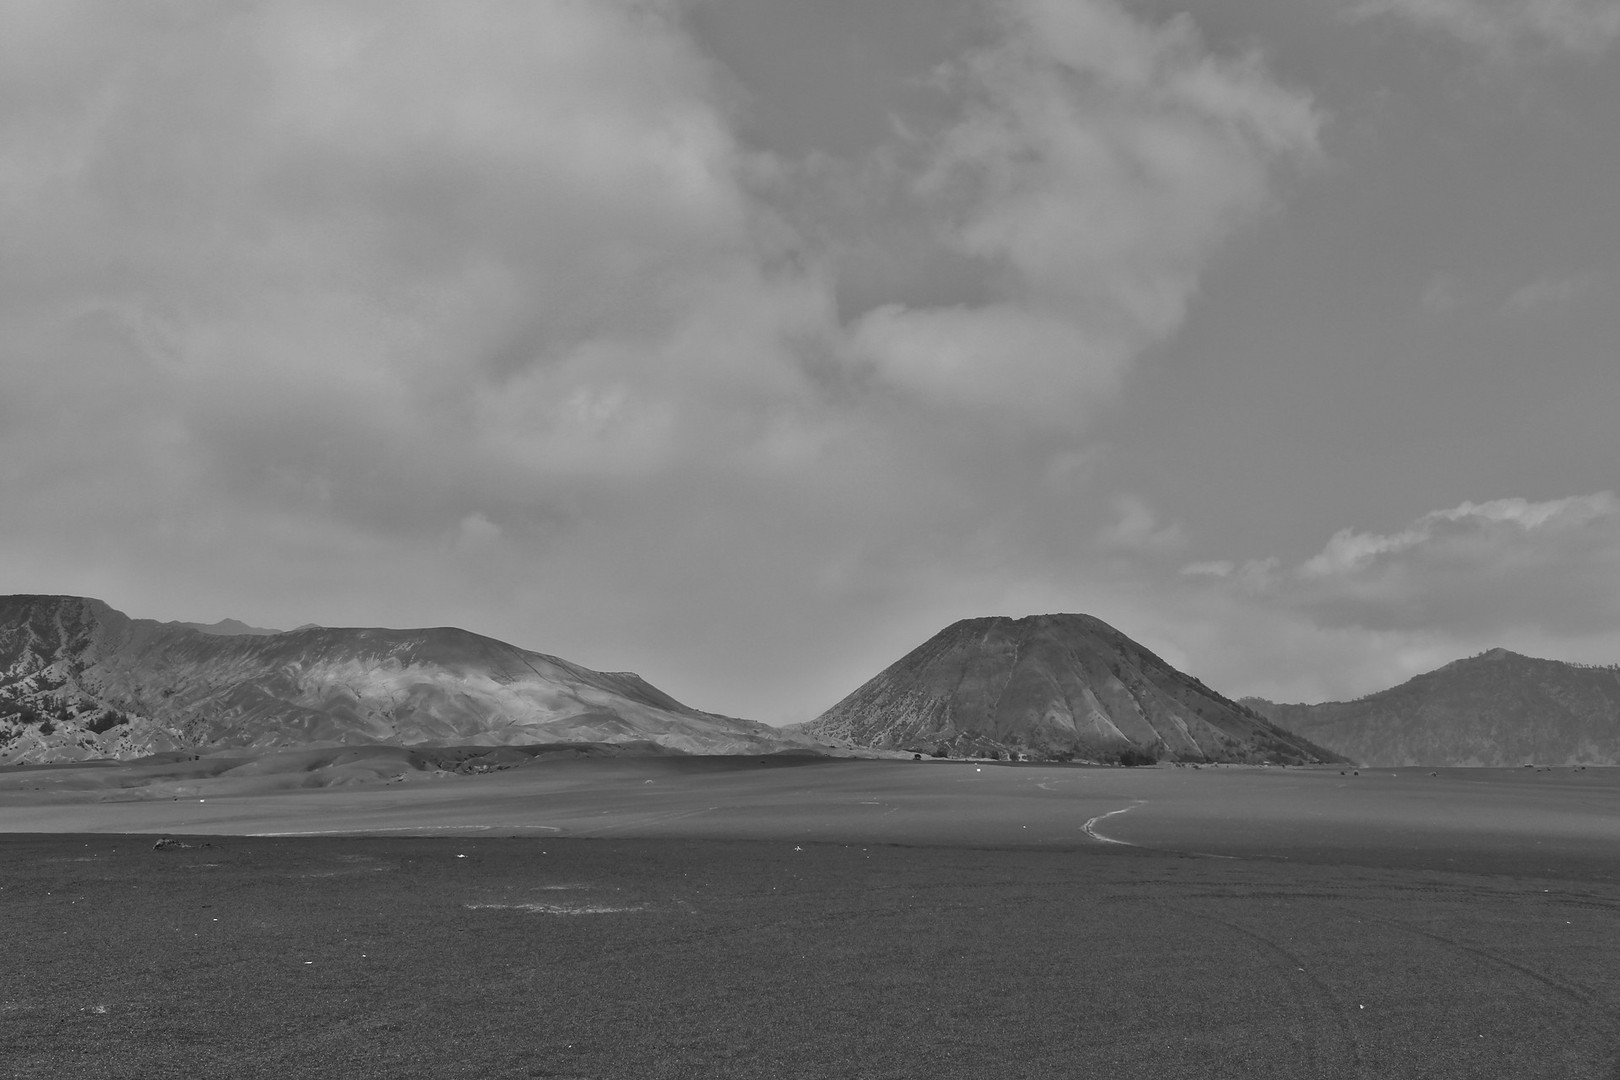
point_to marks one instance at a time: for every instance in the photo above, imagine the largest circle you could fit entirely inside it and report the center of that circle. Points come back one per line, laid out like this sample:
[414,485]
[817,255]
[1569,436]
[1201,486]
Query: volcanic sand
[786,917]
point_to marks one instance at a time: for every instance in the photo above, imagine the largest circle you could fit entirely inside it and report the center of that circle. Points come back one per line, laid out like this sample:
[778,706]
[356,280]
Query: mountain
[1498,708]
[224,628]
[79,679]
[1051,686]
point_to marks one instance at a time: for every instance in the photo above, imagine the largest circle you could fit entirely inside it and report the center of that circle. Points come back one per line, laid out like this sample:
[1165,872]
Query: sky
[745,344]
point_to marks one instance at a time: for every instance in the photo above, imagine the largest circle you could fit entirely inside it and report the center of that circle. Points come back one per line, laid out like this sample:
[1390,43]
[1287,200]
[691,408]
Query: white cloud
[1215,568]
[1484,533]
[485,313]
[1504,27]
[1371,609]
[369,257]
[996,355]
[1099,163]
[1543,296]
[1444,294]
[1553,295]
[1136,528]
[1501,565]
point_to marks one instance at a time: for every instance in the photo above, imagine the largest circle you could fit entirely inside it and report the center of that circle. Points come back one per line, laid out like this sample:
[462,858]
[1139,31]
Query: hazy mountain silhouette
[223,628]
[1051,686]
[79,679]
[1498,708]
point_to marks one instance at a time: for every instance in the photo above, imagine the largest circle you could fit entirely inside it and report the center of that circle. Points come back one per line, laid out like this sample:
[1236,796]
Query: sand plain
[785,917]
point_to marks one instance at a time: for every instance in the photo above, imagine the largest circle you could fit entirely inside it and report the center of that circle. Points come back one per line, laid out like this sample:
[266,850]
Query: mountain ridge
[79,678]
[1498,708]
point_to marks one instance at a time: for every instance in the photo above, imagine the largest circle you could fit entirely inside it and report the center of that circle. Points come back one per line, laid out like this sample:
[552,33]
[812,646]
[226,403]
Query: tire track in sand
[1090,827]
[1569,990]
[1345,1059]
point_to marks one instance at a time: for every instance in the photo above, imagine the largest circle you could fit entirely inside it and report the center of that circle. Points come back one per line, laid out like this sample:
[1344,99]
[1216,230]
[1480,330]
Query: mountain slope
[1499,708]
[79,679]
[1051,686]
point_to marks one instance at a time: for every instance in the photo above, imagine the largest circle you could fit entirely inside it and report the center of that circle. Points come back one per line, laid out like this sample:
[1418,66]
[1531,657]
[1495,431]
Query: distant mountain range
[1498,708]
[79,679]
[1052,686]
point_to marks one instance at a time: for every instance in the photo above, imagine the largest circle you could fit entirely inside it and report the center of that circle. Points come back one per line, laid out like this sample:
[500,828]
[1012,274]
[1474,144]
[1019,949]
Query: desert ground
[343,912]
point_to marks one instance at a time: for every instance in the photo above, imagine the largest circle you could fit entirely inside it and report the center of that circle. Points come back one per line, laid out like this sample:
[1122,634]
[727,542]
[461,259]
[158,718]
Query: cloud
[1370,610]
[1552,295]
[488,314]
[1547,295]
[376,267]
[1136,528]
[1444,294]
[1098,164]
[1503,567]
[1506,27]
